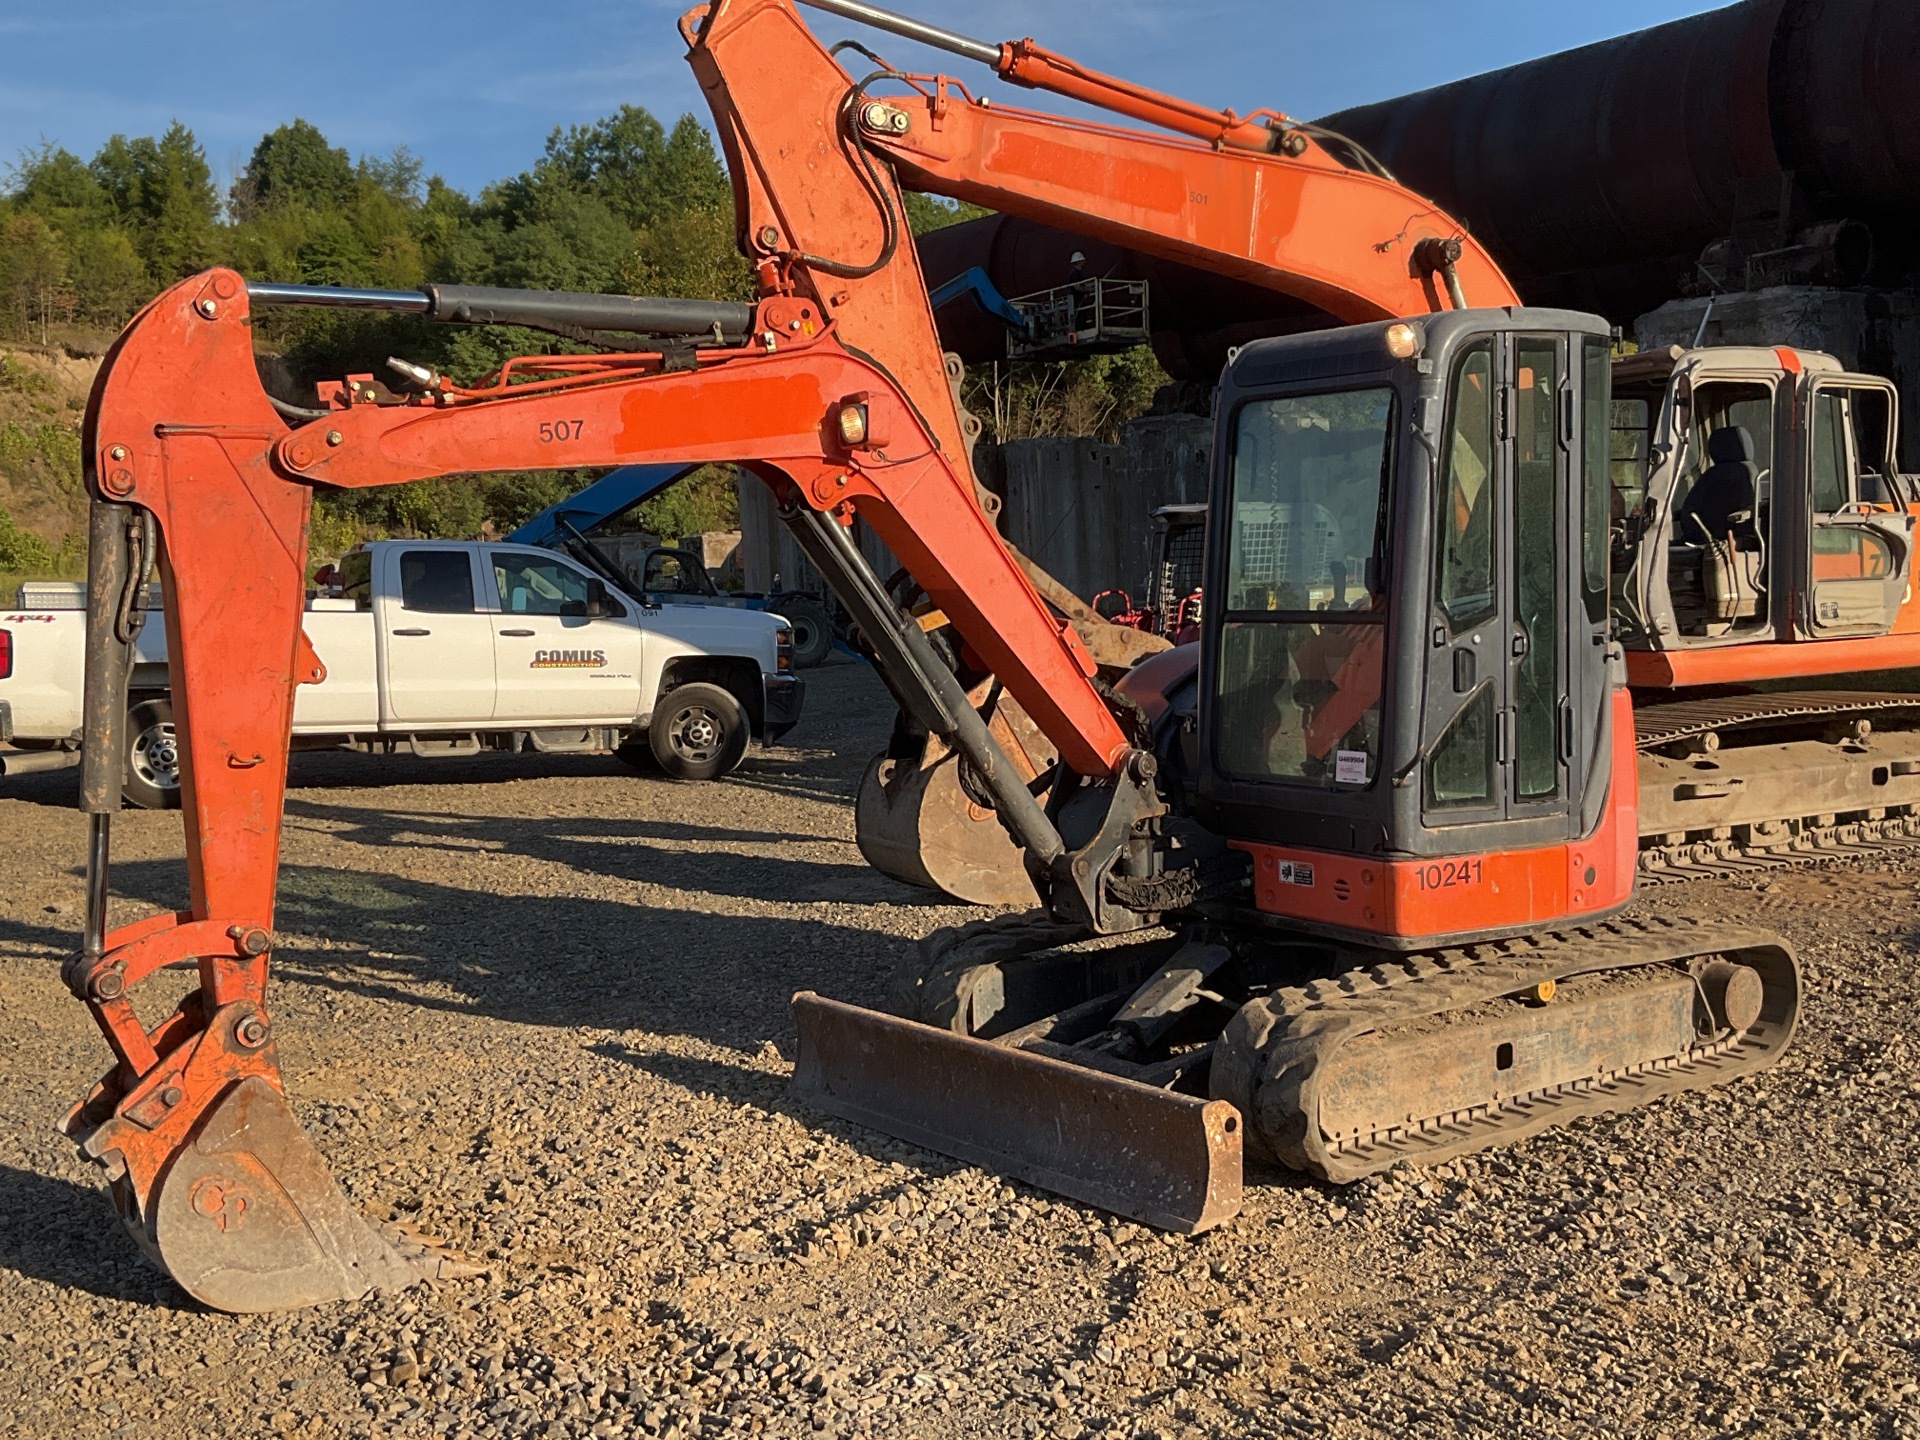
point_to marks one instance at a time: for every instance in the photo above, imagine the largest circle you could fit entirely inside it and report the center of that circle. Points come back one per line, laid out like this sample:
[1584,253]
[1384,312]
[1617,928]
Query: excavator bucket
[1167,1160]
[249,1219]
[915,823]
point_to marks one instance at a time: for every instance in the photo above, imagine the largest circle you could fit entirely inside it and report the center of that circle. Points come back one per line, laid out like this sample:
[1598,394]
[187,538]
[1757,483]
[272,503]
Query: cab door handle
[517,634]
[413,632]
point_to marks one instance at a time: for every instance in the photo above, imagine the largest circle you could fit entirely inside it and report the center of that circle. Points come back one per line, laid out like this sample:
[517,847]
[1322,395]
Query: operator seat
[1721,502]
[1717,522]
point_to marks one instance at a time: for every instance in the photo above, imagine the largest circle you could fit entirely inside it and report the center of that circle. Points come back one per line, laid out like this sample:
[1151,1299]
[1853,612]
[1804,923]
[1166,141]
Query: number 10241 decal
[552,430]
[1446,874]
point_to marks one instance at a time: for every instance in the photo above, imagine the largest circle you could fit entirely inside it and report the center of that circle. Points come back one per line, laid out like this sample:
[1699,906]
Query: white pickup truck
[448,648]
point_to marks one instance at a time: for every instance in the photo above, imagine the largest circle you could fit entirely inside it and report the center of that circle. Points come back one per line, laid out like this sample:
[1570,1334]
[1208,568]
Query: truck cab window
[437,582]
[531,585]
[666,574]
[356,578]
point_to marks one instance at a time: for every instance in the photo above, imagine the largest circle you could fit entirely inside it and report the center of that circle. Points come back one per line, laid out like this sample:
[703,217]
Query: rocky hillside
[43,393]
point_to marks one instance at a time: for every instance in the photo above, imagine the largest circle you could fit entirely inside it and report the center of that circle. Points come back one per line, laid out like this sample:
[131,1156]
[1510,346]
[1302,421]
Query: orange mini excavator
[1359,845]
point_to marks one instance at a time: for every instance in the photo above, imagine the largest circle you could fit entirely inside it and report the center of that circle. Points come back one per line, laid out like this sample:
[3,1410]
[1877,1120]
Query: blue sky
[474,88]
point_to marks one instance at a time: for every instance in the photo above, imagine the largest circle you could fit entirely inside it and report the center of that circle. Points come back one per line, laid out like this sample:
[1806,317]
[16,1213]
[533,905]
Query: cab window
[534,585]
[1302,644]
[437,582]
[1464,533]
[1728,405]
[1852,456]
[356,578]
[667,573]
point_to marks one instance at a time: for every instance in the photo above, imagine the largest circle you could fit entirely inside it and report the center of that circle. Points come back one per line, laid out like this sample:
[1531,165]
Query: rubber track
[1280,1044]
[933,981]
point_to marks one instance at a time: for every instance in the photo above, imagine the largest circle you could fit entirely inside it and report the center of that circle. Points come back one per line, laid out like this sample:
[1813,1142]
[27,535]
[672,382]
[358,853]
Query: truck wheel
[812,635]
[152,779]
[698,732]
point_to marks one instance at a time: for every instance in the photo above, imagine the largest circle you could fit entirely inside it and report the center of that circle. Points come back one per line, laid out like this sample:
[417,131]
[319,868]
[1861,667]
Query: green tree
[708,499]
[333,253]
[692,255]
[397,174]
[163,190]
[569,242]
[935,212]
[54,183]
[33,276]
[630,163]
[294,165]
[109,280]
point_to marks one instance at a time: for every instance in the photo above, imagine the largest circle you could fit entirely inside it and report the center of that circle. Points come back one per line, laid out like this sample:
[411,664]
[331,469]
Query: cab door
[557,663]
[1859,553]
[435,643]
[1499,724]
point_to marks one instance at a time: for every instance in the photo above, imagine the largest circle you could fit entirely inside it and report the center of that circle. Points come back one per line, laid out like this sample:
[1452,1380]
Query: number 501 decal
[552,430]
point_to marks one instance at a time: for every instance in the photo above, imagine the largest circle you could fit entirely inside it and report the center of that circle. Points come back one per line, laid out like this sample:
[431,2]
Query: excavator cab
[1757,503]
[1407,683]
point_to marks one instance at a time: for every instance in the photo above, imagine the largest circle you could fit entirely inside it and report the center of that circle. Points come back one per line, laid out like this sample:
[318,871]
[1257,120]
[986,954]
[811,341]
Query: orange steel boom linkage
[832,388]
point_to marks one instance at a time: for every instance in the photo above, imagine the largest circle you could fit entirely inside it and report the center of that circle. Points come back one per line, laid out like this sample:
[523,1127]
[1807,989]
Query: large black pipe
[1597,177]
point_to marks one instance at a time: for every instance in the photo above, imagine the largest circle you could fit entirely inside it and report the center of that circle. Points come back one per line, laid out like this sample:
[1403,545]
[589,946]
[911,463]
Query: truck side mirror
[597,606]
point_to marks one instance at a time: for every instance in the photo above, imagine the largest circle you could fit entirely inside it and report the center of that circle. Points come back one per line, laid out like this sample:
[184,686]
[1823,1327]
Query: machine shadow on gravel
[61,940]
[65,1234]
[318,770]
[344,770]
[746,1085]
[556,960]
[625,848]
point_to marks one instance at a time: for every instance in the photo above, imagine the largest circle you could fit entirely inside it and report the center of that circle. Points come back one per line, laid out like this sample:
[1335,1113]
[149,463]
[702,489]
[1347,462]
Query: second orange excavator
[1360,848]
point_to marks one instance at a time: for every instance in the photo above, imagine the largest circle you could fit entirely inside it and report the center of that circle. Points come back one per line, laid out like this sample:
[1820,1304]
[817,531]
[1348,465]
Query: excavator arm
[832,388]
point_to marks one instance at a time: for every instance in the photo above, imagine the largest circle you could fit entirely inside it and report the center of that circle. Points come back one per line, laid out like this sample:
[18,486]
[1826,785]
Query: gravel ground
[538,1006]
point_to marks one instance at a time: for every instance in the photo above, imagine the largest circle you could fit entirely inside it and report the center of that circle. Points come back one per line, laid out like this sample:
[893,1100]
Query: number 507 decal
[552,430]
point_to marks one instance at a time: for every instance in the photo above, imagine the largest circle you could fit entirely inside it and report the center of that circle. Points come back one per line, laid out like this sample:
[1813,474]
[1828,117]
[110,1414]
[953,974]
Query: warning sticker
[1349,767]
[1294,872]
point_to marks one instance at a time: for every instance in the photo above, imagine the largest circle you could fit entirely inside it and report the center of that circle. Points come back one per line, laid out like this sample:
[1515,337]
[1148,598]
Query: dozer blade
[1171,1161]
[248,1218]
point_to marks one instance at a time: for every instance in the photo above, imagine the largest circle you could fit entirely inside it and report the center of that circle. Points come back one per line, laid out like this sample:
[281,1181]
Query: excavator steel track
[1274,1056]
[1826,832]
[1656,725]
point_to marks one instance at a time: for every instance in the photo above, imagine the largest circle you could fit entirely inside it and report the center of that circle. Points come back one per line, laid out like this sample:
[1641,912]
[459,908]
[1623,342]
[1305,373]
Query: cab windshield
[1303,624]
